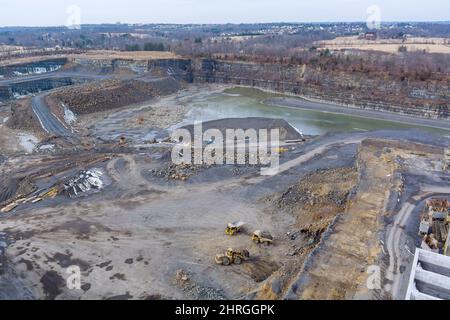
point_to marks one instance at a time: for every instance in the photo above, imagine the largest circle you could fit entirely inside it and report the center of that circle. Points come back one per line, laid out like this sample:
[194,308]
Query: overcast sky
[54,12]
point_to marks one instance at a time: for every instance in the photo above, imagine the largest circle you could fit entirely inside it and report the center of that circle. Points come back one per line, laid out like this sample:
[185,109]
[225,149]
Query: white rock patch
[69,116]
[28,142]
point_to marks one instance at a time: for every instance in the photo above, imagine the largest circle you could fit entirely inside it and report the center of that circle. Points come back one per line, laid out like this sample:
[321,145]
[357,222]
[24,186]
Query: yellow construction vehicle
[281,150]
[262,237]
[234,227]
[232,256]
[51,193]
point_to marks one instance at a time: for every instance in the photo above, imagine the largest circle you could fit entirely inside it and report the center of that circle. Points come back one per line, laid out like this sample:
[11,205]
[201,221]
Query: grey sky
[53,12]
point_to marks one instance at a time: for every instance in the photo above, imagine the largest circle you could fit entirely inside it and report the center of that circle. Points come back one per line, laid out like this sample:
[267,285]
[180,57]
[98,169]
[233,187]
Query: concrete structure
[430,277]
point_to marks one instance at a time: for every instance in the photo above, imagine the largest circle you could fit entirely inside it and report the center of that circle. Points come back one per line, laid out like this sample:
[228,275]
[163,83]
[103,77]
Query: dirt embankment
[341,215]
[314,202]
[112,94]
[286,131]
[105,95]
[23,117]
[338,268]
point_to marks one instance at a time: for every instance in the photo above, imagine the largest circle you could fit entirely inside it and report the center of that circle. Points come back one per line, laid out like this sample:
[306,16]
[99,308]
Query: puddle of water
[247,102]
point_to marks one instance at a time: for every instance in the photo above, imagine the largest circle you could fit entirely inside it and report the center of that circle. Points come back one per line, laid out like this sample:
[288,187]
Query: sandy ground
[431,45]
[411,40]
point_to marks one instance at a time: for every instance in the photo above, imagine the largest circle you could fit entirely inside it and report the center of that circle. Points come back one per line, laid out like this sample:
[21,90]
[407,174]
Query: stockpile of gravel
[287,132]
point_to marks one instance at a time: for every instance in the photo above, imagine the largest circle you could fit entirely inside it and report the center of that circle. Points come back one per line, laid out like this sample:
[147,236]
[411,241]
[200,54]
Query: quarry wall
[417,99]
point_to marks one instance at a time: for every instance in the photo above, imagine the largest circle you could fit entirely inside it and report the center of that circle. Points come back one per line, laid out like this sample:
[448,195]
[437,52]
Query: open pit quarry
[87,182]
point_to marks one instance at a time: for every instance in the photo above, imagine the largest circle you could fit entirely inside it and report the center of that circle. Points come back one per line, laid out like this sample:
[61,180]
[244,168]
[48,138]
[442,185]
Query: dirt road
[395,240]
[49,122]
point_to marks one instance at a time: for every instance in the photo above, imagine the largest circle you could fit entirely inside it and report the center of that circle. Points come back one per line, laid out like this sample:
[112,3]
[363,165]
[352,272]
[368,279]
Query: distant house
[370,36]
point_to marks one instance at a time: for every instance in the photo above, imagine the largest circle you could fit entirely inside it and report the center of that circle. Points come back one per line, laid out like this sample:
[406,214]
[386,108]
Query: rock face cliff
[24,88]
[37,67]
[417,98]
[429,99]
[180,68]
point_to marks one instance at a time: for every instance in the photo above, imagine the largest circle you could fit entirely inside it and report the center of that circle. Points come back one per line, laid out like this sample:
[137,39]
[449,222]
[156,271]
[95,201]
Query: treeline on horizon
[149,46]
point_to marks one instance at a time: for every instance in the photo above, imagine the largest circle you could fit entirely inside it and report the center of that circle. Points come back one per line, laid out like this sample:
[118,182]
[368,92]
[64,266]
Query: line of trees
[149,46]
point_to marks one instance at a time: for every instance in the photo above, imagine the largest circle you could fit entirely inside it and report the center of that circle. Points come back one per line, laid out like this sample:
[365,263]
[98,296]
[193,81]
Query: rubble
[84,182]
[434,224]
[178,172]
[430,243]
[182,279]
[311,191]
[181,276]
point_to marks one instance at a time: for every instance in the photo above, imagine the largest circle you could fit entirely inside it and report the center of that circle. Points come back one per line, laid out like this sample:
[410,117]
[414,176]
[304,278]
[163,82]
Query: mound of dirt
[322,188]
[317,199]
[105,95]
[23,117]
[314,202]
[287,132]
[178,172]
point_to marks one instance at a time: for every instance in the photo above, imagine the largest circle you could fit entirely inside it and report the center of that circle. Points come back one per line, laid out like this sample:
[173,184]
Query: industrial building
[430,276]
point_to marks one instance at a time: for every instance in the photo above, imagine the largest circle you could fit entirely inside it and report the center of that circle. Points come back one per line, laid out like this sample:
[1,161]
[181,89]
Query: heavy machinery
[281,150]
[38,196]
[51,193]
[232,256]
[234,227]
[262,237]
